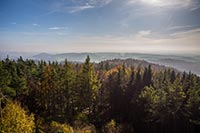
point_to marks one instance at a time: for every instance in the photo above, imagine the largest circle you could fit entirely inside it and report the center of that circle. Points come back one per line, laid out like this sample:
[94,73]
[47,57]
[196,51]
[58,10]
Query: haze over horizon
[60,26]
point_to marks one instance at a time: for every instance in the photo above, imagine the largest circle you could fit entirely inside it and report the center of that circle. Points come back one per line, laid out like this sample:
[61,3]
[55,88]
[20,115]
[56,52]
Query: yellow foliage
[112,127]
[15,120]
[60,128]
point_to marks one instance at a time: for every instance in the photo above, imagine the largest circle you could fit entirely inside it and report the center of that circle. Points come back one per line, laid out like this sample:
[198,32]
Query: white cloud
[187,42]
[57,28]
[188,33]
[88,4]
[80,8]
[178,27]
[143,33]
[76,5]
[99,3]
[190,4]
[34,24]
[181,42]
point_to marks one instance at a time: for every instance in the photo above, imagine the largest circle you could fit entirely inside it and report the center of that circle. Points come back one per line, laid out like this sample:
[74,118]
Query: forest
[105,97]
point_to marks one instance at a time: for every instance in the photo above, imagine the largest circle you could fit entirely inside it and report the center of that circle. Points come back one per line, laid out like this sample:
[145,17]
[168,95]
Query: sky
[60,26]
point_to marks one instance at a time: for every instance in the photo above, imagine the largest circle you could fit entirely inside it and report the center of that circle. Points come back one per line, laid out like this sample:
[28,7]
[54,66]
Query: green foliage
[89,86]
[110,97]
[8,91]
[193,102]
[154,103]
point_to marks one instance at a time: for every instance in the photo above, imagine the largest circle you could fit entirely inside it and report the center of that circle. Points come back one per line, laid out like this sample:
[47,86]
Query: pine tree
[172,76]
[68,92]
[89,86]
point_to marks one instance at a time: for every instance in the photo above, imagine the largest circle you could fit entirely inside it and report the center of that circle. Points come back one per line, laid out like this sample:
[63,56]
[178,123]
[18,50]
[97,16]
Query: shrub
[15,120]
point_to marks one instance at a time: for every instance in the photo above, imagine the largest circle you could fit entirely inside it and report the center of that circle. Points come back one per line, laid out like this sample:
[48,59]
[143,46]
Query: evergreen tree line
[70,97]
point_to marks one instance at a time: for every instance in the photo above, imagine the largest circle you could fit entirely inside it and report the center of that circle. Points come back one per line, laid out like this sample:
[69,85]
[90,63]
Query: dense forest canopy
[106,97]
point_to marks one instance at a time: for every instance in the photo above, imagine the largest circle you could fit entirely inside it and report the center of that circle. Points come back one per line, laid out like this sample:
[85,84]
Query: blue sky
[56,26]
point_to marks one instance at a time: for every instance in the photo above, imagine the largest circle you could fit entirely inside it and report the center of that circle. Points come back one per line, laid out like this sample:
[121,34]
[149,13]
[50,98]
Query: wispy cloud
[188,33]
[142,41]
[57,28]
[89,4]
[34,24]
[178,27]
[195,7]
[183,42]
[143,33]
[190,4]
[80,8]
[73,6]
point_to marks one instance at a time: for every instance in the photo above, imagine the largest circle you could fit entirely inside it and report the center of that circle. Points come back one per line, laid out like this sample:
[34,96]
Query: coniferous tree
[89,86]
[135,100]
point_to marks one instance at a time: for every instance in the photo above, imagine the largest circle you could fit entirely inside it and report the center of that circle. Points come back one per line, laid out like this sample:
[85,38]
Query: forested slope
[111,96]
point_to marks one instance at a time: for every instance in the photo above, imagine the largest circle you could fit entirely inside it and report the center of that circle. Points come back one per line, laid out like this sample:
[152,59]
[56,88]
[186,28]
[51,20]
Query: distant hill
[181,62]
[131,63]
[16,55]
[43,56]
[182,65]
